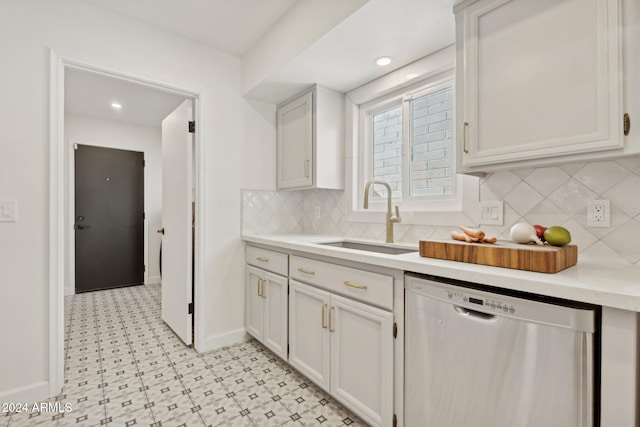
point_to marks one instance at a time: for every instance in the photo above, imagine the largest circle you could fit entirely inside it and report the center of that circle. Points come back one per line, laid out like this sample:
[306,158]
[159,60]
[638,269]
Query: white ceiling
[405,30]
[342,58]
[91,94]
[229,25]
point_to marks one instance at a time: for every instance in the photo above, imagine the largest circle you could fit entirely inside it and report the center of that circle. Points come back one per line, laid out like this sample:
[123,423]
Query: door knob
[161,231]
[78,225]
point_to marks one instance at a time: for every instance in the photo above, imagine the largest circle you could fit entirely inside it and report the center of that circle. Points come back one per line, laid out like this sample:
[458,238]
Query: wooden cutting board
[543,259]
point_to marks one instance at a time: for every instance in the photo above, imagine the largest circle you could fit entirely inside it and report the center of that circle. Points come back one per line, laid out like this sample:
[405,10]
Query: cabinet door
[254,307]
[362,359]
[308,332]
[295,143]
[540,79]
[275,299]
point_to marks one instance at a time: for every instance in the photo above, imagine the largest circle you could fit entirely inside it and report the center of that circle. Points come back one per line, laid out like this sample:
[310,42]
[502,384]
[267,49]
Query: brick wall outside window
[432,164]
[387,151]
[432,146]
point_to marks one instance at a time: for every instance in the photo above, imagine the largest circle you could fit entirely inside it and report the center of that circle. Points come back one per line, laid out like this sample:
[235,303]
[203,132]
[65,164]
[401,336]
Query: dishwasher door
[474,358]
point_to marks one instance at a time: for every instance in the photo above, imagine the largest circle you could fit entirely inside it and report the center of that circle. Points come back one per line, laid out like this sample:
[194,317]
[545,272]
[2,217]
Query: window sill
[463,211]
[452,218]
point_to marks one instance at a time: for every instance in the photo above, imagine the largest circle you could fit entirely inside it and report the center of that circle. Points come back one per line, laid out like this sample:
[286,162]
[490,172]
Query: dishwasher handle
[473,313]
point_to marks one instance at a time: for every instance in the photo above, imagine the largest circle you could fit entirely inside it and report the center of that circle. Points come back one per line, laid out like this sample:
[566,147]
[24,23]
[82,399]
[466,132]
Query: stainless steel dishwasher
[484,359]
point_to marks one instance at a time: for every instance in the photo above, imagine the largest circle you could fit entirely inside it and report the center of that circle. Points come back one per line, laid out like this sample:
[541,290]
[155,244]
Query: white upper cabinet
[310,140]
[538,82]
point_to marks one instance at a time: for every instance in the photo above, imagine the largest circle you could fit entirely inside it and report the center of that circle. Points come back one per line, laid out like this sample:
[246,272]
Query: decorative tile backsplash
[547,196]
[272,212]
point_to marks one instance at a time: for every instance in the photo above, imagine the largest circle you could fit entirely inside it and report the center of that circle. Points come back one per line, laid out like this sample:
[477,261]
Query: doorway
[62,193]
[109,218]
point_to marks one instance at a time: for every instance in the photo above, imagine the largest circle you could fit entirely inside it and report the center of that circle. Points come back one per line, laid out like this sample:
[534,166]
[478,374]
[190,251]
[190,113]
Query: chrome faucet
[390,218]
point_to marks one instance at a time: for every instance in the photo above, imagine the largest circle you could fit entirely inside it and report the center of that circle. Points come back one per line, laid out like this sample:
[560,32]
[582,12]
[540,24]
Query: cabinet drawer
[372,288]
[268,260]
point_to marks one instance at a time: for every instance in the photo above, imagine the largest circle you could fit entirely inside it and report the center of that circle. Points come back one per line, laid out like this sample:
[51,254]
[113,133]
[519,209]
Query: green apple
[557,236]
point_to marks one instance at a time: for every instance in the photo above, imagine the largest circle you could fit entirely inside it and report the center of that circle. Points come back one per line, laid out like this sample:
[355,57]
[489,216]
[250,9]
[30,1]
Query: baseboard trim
[153,280]
[32,393]
[221,340]
[69,290]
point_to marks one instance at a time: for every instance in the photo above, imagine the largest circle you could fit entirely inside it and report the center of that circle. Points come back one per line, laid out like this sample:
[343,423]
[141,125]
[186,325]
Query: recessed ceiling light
[411,76]
[383,60]
[116,106]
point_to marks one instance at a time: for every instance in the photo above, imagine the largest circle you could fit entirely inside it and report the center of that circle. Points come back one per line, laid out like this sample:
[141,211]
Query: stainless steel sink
[369,247]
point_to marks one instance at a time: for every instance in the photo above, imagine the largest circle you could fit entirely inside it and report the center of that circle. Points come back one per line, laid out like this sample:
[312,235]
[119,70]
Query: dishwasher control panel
[491,304]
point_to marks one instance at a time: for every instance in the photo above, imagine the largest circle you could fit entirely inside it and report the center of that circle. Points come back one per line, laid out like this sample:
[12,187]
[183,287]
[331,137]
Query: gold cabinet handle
[353,285]
[302,270]
[464,137]
[330,320]
[259,287]
[324,324]
[306,168]
[263,259]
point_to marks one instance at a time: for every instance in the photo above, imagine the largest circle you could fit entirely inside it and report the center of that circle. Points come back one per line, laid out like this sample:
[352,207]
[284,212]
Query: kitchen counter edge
[612,285]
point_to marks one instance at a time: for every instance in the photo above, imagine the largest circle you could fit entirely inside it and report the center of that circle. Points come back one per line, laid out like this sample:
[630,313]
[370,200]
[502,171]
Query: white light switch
[491,212]
[8,210]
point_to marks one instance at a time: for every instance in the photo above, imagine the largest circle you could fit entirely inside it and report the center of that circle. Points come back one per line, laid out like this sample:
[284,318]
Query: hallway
[142,374]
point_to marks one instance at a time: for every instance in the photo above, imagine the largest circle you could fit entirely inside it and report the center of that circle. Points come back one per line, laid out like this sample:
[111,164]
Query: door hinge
[144,268]
[144,163]
[395,330]
[144,215]
[394,422]
[190,308]
[626,120]
[287,348]
[192,127]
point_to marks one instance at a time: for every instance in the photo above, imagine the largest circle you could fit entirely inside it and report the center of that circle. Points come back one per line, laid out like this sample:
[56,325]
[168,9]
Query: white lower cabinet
[344,346]
[266,309]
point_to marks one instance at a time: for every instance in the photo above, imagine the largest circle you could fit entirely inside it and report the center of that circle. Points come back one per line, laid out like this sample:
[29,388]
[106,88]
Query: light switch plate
[8,210]
[492,212]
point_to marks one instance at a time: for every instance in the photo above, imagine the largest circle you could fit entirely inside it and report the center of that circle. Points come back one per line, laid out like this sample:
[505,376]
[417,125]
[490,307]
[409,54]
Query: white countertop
[613,285]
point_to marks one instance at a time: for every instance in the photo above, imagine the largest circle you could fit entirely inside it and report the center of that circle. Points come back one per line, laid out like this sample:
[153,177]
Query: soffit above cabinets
[343,58]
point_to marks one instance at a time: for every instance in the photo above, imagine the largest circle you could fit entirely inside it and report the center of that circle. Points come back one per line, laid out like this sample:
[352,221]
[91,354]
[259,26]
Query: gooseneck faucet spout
[391,219]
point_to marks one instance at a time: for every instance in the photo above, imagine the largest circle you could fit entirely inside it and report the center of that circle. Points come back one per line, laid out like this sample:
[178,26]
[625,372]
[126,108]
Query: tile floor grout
[124,366]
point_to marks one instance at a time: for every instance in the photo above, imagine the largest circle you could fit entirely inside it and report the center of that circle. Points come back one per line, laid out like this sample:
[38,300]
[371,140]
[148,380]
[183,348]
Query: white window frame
[464,209]
[402,97]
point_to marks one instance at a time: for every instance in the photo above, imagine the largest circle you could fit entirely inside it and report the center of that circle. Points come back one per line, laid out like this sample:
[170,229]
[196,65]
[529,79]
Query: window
[407,140]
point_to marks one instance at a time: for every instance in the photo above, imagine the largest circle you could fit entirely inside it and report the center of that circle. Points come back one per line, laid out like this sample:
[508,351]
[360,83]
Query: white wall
[259,156]
[87,130]
[77,30]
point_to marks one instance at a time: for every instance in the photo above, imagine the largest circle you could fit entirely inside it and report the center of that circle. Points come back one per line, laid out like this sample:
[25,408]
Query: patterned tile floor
[125,367]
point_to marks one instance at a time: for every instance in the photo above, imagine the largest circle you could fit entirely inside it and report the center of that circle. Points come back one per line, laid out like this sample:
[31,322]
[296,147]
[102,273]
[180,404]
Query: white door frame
[58,198]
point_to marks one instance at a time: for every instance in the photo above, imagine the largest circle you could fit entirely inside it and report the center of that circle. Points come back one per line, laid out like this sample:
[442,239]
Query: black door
[109,218]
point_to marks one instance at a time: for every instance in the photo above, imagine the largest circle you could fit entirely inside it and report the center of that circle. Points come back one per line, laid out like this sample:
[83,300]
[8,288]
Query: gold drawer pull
[353,285]
[263,259]
[260,287]
[302,270]
[324,324]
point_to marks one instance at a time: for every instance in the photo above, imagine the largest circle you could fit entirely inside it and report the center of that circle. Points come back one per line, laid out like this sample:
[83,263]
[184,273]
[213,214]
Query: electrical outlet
[598,213]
